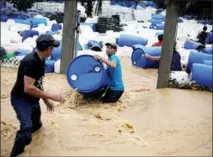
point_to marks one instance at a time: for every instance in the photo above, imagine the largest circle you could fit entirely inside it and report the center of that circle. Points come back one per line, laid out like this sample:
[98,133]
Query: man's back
[202,37]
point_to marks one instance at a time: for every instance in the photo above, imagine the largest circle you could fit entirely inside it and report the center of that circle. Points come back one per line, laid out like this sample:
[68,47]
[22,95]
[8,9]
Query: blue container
[157,26]
[92,25]
[56,27]
[197,57]
[202,22]
[138,59]
[209,39]
[94,45]
[21,52]
[87,75]
[36,21]
[19,15]
[130,40]
[56,54]
[207,50]
[26,22]
[180,20]
[158,16]
[29,33]
[49,66]
[207,62]
[190,44]
[202,75]
[4,18]
[156,21]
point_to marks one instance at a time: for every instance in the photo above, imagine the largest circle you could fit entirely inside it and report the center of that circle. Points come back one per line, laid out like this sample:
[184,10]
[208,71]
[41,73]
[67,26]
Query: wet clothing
[112,96]
[27,107]
[159,43]
[202,37]
[31,66]
[115,75]
[116,86]
[176,62]
[29,116]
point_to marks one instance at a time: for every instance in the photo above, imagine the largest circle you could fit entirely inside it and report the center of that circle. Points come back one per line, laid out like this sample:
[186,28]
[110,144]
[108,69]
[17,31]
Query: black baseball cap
[112,45]
[45,41]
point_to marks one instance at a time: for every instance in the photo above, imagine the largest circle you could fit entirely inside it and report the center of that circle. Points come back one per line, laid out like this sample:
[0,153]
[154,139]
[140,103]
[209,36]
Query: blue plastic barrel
[202,75]
[19,15]
[26,22]
[130,40]
[156,21]
[87,75]
[49,65]
[29,33]
[180,20]
[56,27]
[92,25]
[157,26]
[207,50]
[190,44]
[197,57]
[202,21]
[36,21]
[94,45]
[3,18]
[158,16]
[209,39]
[207,62]
[56,54]
[138,59]
[21,52]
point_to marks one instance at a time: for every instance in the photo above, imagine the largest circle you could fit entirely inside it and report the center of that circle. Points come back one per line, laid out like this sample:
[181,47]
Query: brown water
[147,121]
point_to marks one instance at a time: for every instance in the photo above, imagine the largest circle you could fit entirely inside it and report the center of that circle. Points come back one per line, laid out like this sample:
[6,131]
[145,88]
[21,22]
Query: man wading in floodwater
[114,71]
[27,91]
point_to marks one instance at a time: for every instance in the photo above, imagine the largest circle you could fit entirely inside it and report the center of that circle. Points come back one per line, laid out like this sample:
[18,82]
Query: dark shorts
[112,96]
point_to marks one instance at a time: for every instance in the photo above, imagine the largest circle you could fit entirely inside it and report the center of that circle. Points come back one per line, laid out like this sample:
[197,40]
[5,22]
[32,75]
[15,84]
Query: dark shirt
[176,62]
[202,37]
[31,66]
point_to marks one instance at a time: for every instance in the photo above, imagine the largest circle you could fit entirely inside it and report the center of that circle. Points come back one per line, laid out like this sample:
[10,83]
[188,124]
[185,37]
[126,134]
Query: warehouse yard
[146,121]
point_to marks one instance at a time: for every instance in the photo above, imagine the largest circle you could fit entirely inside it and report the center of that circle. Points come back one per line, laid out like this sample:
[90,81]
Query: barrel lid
[85,74]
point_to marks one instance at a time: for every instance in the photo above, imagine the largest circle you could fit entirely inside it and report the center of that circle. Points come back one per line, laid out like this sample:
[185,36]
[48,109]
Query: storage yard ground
[147,121]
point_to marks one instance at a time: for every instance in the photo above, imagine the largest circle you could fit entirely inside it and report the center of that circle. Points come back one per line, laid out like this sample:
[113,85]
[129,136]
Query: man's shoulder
[114,57]
[30,57]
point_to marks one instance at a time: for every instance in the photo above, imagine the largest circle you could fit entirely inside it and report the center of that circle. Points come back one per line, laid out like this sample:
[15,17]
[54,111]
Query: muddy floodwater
[147,121]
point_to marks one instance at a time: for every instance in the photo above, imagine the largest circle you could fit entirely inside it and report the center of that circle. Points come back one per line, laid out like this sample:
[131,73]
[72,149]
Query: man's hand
[50,105]
[146,56]
[97,57]
[58,98]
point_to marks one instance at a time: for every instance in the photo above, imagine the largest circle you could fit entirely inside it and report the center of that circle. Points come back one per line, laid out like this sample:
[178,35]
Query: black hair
[160,37]
[42,46]
[204,28]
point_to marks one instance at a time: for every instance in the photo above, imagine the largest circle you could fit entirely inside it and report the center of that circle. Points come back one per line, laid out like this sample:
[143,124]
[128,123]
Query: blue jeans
[29,116]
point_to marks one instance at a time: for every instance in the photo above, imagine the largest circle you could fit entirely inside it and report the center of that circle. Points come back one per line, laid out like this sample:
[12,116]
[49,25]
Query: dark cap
[45,41]
[112,45]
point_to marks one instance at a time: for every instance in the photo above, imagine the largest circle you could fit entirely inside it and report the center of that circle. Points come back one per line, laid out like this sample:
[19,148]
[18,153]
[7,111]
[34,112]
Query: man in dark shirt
[28,90]
[202,36]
